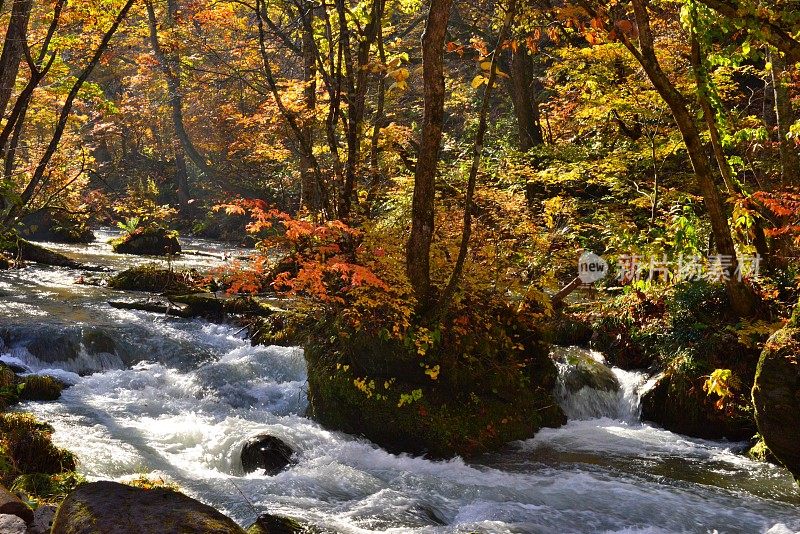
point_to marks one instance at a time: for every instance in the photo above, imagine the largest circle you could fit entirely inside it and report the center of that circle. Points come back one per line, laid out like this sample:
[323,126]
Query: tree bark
[309,190]
[790,162]
[13,49]
[741,298]
[522,87]
[422,206]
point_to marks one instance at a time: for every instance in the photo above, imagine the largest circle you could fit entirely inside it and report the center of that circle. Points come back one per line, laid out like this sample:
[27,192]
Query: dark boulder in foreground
[266,452]
[776,395]
[10,504]
[113,508]
[273,524]
[148,242]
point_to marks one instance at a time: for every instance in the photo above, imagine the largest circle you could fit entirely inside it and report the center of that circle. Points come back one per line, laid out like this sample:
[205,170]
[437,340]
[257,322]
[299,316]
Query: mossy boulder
[475,399]
[580,370]
[148,242]
[678,403]
[776,395]
[153,279]
[27,448]
[56,226]
[114,508]
[41,388]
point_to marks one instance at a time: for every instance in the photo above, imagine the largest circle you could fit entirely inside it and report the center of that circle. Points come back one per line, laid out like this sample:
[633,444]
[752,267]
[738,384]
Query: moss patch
[40,388]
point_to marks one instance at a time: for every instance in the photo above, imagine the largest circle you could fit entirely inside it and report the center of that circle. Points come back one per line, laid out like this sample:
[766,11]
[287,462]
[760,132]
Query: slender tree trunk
[13,49]
[522,87]
[709,115]
[741,298]
[477,153]
[39,172]
[422,207]
[170,70]
[790,161]
[309,190]
[356,97]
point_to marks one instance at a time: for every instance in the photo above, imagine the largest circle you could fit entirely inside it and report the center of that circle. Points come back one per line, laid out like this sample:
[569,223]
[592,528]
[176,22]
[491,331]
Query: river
[176,399]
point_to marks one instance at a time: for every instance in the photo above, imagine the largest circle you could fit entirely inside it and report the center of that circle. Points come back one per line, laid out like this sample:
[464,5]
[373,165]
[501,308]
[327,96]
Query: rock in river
[266,452]
[113,508]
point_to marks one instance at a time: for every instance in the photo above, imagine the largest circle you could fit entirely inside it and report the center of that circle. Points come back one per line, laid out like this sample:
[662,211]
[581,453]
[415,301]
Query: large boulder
[776,395]
[266,452]
[678,403]
[11,524]
[113,508]
[148,242]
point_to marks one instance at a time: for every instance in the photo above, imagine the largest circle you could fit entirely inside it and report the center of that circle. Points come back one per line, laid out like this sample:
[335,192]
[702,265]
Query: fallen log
[154,306]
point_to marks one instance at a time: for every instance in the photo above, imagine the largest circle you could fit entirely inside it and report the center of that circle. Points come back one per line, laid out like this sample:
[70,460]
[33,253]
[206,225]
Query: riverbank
[183,411]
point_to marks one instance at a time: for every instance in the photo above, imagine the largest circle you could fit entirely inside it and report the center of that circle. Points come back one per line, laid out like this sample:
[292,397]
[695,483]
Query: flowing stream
[177,398]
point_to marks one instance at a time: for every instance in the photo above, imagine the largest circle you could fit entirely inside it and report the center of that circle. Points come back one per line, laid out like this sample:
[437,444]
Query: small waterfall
[588,389]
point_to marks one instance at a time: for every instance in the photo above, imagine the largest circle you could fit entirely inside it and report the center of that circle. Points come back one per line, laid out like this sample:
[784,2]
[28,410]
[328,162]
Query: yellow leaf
[477,81]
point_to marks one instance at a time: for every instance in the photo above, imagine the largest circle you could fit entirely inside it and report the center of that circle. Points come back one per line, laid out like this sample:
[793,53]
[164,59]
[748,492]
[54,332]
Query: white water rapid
[177,398]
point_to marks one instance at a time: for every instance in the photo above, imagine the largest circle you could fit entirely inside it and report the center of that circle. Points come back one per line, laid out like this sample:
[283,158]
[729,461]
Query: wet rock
[154,279]
[41,388]
[11,524]
[148,242]
[10,504]
[776,395]
[113,508]
[581,370]
[273,524]
[678,403]
[266,452]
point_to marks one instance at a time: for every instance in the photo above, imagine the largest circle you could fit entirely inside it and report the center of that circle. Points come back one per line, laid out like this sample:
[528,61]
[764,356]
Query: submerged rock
[113,508]
[148,242]
[776,395]
[266,452]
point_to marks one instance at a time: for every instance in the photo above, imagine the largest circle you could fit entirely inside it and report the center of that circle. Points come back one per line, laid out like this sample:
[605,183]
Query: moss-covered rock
[105,507]
[154,279]
[148,242]
[678,403]
[580,370]
[57,226]
[40,388]
[472,401]
[27,448]
[776,395]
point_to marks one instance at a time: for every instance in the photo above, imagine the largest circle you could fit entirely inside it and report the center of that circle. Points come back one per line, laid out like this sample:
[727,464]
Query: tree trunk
[13,50]
[422,214]
[309,191]
[741,298]
[522,87]
[790,162]
[170,69]
[39,172]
